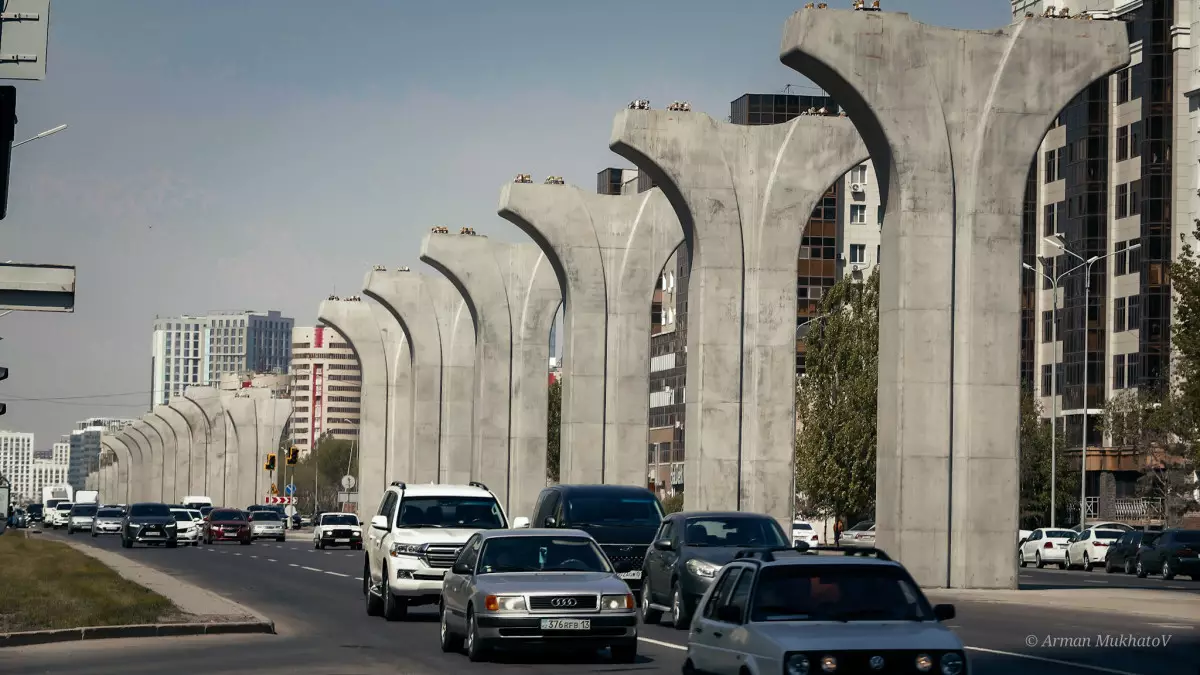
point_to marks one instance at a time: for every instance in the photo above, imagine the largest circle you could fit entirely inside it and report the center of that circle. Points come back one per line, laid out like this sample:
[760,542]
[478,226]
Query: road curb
[41,637]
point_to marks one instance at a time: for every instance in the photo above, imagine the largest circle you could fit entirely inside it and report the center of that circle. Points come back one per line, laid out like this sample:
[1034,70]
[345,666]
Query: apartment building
[83,446]
[326,386]
[16,463]
[50,467]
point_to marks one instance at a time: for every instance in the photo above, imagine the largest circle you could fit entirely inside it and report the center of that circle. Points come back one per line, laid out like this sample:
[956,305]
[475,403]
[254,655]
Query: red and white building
[326,386]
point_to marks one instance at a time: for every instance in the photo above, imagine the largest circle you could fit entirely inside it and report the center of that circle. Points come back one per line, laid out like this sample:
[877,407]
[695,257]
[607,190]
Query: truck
[53,494]
[87,497]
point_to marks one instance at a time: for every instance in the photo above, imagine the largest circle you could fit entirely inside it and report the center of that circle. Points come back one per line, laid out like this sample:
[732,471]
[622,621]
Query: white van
[197,502]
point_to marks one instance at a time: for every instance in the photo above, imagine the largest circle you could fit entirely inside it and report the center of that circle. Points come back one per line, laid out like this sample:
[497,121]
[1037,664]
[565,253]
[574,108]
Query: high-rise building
[83,447]
[49,467]
[16,463]
[326,386]
[198,350]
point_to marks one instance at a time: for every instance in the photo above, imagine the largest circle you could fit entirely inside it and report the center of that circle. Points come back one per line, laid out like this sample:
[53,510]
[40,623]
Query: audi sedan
[227,525]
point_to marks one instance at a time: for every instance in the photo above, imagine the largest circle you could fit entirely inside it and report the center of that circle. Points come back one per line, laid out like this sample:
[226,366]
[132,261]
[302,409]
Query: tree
[553,425]
[836,402]
[327,463]
[673,504]
[1185,342]
[1035,442]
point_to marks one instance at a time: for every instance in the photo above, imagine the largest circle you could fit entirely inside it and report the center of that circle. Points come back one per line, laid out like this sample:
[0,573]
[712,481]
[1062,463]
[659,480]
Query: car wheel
[1108,566]
[1087,563]
[476,649]
[1021,559]
[1037,561]
[1066,563]
[624,652]
[1140,569]
[247,542]
[1167,573]
[320,545]
[450,641]
[394,609]
[649,614]
[374,602]
[680,616]
[1128,566]
[126,543]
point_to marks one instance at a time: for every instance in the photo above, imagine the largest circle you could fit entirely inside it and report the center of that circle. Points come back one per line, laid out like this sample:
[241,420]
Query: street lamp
[48,132]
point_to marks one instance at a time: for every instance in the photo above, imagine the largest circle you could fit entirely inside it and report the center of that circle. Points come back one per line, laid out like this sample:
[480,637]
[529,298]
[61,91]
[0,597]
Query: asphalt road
[1055,578]
[315,598]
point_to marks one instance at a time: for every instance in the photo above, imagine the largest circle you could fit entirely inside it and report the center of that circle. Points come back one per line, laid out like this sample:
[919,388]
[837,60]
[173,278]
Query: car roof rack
[853,551]
[767,553]
[479,485]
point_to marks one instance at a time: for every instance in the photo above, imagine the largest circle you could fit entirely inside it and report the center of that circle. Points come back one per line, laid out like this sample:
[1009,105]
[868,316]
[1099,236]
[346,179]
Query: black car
[148,523]
[621,518]
[1175,552]
[688,553]
[35,513]
[1122,553]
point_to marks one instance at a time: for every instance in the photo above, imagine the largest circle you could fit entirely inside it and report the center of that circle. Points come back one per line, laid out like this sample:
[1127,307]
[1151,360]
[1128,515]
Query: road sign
[274,490]
[23,37]
[290,489]
[348,482]
[279,500]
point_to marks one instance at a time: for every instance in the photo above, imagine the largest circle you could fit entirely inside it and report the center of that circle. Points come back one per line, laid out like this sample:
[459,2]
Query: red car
[227,525]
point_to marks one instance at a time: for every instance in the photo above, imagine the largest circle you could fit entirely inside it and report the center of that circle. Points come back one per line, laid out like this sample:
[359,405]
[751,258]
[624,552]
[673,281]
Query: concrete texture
[609,252]
[457,335]
[272,412]
[91,481]
[953,118]
[241,448]
[118,482]
[138,462]
[743,195]
[198,456]
[183,445]
[170,447]
[355,322]
[404,296]
[208,399]
[399,392]
[153,447]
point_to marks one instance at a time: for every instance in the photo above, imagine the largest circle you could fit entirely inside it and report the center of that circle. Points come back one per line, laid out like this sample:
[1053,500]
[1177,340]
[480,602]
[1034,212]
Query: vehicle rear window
[109,513]
[600,510]
[1108,534]
[84,510]
[217,514]
[801,526]
[541,554]
[151,510]
[181,516]
[831,592]
[64,506]
[260,516]
[1059,534]
[1188,536]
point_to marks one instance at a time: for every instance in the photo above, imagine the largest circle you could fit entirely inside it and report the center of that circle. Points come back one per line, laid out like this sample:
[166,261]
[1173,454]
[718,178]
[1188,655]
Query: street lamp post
[48,132]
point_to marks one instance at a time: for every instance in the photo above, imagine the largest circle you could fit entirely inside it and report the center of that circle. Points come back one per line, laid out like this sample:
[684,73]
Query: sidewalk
[1146,603]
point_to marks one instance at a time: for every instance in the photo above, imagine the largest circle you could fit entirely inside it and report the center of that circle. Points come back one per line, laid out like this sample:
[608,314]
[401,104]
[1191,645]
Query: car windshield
[260,516]
[64,507]
[340,519]
[1107,534]
[835,592]
[605,510]
[801,526]
[739,531]
[35,509]
[1058,534]
[53,503]
[196,515]
[226,515]
[476,513]
[1188,536]
[181,516]
[541,554]
[84,510]
[152,510]
[205,510]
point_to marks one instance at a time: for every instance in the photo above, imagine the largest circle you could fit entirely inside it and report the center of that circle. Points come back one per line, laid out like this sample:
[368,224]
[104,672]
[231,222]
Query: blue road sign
[290,489]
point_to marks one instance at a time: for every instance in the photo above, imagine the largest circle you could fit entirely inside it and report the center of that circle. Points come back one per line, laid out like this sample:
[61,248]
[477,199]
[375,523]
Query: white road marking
[292,565]
[1057,662]
[660,643]
[349,555]
[237,553]
[1094,581]
[1173,626]
[338,574]
[312,569]
[254,557]
[1178,588]
[272,560]
[358,578]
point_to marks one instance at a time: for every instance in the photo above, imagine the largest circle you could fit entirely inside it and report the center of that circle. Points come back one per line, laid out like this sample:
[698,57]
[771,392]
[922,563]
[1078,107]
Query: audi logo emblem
[563,602]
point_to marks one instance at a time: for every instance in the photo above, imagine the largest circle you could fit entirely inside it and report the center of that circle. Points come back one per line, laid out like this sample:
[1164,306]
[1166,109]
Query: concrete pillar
[183,445]
[610,251]
[241,448]
[403,295]
[457,335]
[272,412]
[198,455]
[952,118]
[153,448]
[120,479]
[354,321]
[208,399]
[170,445]
[399,393]
[136,465]
[743,195]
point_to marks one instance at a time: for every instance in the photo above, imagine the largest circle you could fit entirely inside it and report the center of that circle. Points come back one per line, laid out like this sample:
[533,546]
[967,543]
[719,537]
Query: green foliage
[674,503]
[1035,442]
[1153,424]
[836,402]
[553,424]
[332,459]
[1185,343]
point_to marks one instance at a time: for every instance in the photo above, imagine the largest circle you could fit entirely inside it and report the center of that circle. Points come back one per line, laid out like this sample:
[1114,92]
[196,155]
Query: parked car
[861,535]
[1090,547]
[1174,552]
[783,612]
[1045,546]
[688,553]
[107,521]
[536,586]
[1123,553]
[227,525]
[805,532]
[149,523]
[1107,525]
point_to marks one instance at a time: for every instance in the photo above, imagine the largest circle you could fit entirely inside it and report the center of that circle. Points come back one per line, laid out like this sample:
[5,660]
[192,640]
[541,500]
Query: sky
[237,155]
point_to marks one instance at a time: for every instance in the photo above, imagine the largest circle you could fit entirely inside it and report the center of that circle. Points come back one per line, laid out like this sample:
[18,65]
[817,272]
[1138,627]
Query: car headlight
[406,549]
[828,664]
[170,524]
[952,663]
[616,603]
[505,603]
[797,664]
[924,663]
[703,568]
[356,532]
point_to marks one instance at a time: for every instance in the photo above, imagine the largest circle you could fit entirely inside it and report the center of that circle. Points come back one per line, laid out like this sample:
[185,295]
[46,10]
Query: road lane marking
[254,557]
[1057,662]
[1178,588]
[660,643]
[292,565]
[311,569]
[358,578]
[237,553]
[338,574]
[1094,581]
[1173,626]
[272,560]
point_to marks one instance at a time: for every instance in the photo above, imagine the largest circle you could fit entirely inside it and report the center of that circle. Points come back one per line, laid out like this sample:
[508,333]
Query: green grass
[45,584]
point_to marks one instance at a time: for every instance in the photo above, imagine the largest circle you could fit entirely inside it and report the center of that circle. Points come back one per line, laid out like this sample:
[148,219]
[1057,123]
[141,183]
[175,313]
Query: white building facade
[16,464]
[326,387]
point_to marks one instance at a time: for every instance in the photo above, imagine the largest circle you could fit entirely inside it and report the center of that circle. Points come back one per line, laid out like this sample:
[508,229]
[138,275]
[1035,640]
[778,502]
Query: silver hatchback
[539,587]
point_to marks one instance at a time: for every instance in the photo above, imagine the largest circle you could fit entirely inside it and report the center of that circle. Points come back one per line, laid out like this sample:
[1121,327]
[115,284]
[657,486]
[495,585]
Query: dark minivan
[621,518]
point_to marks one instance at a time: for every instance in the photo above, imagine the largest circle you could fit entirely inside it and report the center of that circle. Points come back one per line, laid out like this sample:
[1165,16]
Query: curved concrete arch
[179,424]
[145,474]
[208,399]
[154,448]
[241,449]
[612,249]
[457,334]
[136,466]
[170,444]
[959,117]
[399,393]
[89,481]
[742,194]
[197,423]
[272,413]
[355,322]
[121,477]
[404,296]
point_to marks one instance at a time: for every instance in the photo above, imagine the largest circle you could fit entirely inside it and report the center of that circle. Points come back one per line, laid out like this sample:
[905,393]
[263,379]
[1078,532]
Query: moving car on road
[1046,545]
[81,517]
[1174,552]
[107,521]
[187,529]
[779,611]
[415,537]
[338,529]
[149,523]
[227,525]
[1090,547]
[688,553]
[60,514]
[266,525]
[35,512]
[536,586]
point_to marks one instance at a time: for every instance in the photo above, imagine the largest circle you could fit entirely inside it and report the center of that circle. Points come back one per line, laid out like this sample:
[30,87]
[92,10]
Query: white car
[416,536]
[187,530]
[1045,546]
[861,535]
[267,525]
[61,514]
[1088,548]
[805,532]
[338,529]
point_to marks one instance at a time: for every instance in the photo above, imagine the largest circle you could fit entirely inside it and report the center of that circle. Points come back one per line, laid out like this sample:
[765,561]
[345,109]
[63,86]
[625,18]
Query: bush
[674,503]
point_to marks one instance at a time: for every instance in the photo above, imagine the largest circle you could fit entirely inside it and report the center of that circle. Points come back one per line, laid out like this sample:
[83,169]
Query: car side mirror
[461,568]
[729,614]
[662,545]
[520,522]
[550,522]
[379,522]
[943,612]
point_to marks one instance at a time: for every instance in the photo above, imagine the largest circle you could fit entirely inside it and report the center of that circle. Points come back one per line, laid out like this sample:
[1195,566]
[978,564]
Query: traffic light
[3,376]
[270,465]
[8,123]
[293,455]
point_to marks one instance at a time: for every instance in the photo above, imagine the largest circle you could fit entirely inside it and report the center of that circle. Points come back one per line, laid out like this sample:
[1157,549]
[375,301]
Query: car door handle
[716,633]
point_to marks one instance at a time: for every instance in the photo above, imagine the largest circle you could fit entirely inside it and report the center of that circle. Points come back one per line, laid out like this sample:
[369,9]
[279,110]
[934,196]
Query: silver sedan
[539,587]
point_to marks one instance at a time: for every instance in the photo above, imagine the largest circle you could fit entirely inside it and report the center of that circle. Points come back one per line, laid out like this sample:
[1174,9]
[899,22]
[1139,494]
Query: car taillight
[814,537]
[1186,551]
[1100,543]
[1048,544]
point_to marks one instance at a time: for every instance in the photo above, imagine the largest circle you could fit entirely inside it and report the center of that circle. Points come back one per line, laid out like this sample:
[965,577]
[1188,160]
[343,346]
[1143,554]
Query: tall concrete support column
[457,336]
[353,320]
[241,448]
[208,400]
[609,251]
[272,413]
[122,483]
[198,457]
[137,464]
[399,393]
[743,195]
[157,458]
[404,296]
[183,445]
[170,448]
[952,118]
[151,484]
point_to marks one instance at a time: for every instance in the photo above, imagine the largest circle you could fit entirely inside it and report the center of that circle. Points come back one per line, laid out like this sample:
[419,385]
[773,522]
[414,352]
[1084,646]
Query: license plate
[566,624]
[341,541]
[637,574]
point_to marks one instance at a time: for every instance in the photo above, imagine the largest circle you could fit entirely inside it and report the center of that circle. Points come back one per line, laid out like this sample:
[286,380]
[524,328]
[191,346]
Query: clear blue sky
[264,154]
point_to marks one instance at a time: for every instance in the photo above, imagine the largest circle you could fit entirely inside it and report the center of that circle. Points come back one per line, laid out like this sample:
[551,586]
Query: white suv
[415,537]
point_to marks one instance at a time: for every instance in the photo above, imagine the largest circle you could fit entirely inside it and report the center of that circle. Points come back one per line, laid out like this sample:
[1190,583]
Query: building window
[859,174]
[1131,370]
[1135,139]
[1051,165]
[1135,258]
[1047,327]
[1049,222]
[1119,315]
[1133,312]
[879,214]
[1134,204]
[1123,143]
[1047,382]
[1122,200]
[1124,91]
[1119,371]
[858,253]
[858,214]
[1120,260]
